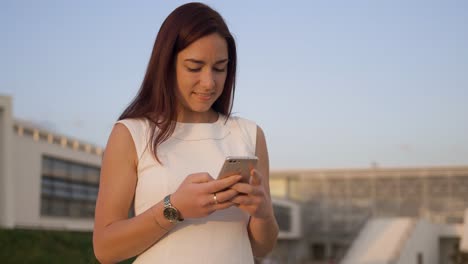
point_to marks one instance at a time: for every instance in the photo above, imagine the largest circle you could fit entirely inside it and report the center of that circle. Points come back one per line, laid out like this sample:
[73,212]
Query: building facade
[47,180]
[337,203]
[50,181]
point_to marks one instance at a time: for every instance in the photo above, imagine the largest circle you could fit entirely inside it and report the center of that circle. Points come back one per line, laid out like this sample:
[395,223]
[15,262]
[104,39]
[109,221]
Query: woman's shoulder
[139,129]
[136,125]
[241,121]
[246,129]
[134,121]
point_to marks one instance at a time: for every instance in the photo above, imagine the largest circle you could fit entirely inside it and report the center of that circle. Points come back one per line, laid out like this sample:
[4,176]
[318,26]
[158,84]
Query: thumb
[255,177]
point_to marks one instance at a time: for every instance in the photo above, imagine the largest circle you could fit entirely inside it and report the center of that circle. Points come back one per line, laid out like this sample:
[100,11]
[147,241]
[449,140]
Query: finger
[200,177]
[244,188]
[255,177]
[210,199]
[225,205]
[226,195]
[219,185]
[242,200]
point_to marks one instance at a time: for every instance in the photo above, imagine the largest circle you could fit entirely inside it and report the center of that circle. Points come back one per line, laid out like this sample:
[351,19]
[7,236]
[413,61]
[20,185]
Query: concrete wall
[6,180]
[423,240]
[27,167]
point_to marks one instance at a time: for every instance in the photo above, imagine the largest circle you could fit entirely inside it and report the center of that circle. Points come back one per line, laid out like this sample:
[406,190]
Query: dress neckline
[201,131]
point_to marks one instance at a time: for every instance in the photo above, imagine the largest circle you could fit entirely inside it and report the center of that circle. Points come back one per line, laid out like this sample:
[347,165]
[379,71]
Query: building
[47,180]
[342,206]
[50,181]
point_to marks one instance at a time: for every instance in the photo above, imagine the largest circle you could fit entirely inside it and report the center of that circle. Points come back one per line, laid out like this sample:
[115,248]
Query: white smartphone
[238,165]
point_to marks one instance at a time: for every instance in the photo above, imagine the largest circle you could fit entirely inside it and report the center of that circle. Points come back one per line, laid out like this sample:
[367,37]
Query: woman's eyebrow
[195,61]
[202,62]
[222,61]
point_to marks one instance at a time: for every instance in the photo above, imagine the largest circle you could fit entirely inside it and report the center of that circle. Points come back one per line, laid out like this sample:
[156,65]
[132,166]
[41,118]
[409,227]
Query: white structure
[47,180]
[401,241]
[337,204]
[6,176]
[288,214]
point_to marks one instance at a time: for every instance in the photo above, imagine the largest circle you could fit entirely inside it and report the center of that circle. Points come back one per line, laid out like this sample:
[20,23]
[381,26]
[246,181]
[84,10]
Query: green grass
[39,246]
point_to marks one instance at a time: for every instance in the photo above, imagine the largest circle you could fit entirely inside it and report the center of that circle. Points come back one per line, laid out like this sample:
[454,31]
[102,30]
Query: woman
[164,153]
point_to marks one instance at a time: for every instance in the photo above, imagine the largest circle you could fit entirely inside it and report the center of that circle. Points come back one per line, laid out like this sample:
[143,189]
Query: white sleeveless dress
[221,237]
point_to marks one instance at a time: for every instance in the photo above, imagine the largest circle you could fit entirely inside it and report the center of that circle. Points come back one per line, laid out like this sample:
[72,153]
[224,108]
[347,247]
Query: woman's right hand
[195,197]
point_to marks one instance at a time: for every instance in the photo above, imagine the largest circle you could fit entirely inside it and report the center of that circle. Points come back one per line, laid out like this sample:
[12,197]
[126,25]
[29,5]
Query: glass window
[283,217]
[77,172]
[76,208]
[313,189]
[278,187]
[47,186]
[66,189]
[386,187]
[295,189]
[47,164]
[79,191]
[411,188]
[438,186]
[92,193]
[58,207]
[61,189]
[60,169]
[45,204]
[92,174]
[318,251]
[89,212]
[361,188]
[337,188]
[459,188]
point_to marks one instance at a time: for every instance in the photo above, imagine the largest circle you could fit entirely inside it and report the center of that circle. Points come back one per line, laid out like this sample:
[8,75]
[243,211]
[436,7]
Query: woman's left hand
[253,198]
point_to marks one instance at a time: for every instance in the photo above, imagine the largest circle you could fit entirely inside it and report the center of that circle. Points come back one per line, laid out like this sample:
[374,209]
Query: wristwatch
[170,212]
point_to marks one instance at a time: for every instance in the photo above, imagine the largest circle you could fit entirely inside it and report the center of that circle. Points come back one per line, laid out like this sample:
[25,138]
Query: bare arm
[116,237]
[263,231]
[254,198]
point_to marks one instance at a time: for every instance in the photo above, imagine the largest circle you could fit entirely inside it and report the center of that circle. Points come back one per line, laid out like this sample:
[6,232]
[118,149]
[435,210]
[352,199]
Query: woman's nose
[207,79]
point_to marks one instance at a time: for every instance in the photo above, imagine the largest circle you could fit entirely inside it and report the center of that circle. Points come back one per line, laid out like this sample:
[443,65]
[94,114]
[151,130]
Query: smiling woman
[165,152]
[201,74]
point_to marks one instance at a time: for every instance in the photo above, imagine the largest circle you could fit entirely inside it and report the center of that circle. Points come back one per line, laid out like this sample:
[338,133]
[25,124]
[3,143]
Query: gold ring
[215,199]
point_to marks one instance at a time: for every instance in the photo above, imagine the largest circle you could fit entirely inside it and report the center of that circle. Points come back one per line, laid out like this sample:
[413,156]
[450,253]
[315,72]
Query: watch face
[171,214]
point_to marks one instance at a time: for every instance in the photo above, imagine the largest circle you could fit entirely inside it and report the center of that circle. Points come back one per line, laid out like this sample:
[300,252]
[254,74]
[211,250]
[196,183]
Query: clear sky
[332,83]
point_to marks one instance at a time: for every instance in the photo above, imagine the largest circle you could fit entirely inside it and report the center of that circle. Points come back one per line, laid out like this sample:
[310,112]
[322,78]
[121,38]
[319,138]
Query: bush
[40,246]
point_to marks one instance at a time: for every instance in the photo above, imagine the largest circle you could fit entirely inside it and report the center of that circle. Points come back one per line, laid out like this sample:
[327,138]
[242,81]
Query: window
[283,217]
[318,251]
[47,166]
[295,189]
[92,174]
[77,172]
[58,207]
[66,189]
[278,187]
[59,168]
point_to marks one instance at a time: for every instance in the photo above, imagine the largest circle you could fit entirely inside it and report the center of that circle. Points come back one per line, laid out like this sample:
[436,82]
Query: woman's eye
[193,69]
[219,70]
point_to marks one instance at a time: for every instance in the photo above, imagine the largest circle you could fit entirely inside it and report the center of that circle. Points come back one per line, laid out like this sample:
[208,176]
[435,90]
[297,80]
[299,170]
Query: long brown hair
[156,99]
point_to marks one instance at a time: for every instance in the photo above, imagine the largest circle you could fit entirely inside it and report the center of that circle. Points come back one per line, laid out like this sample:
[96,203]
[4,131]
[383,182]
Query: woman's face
[201,71]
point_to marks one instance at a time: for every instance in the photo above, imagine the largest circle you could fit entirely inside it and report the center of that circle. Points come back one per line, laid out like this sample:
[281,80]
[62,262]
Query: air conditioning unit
[288,216]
